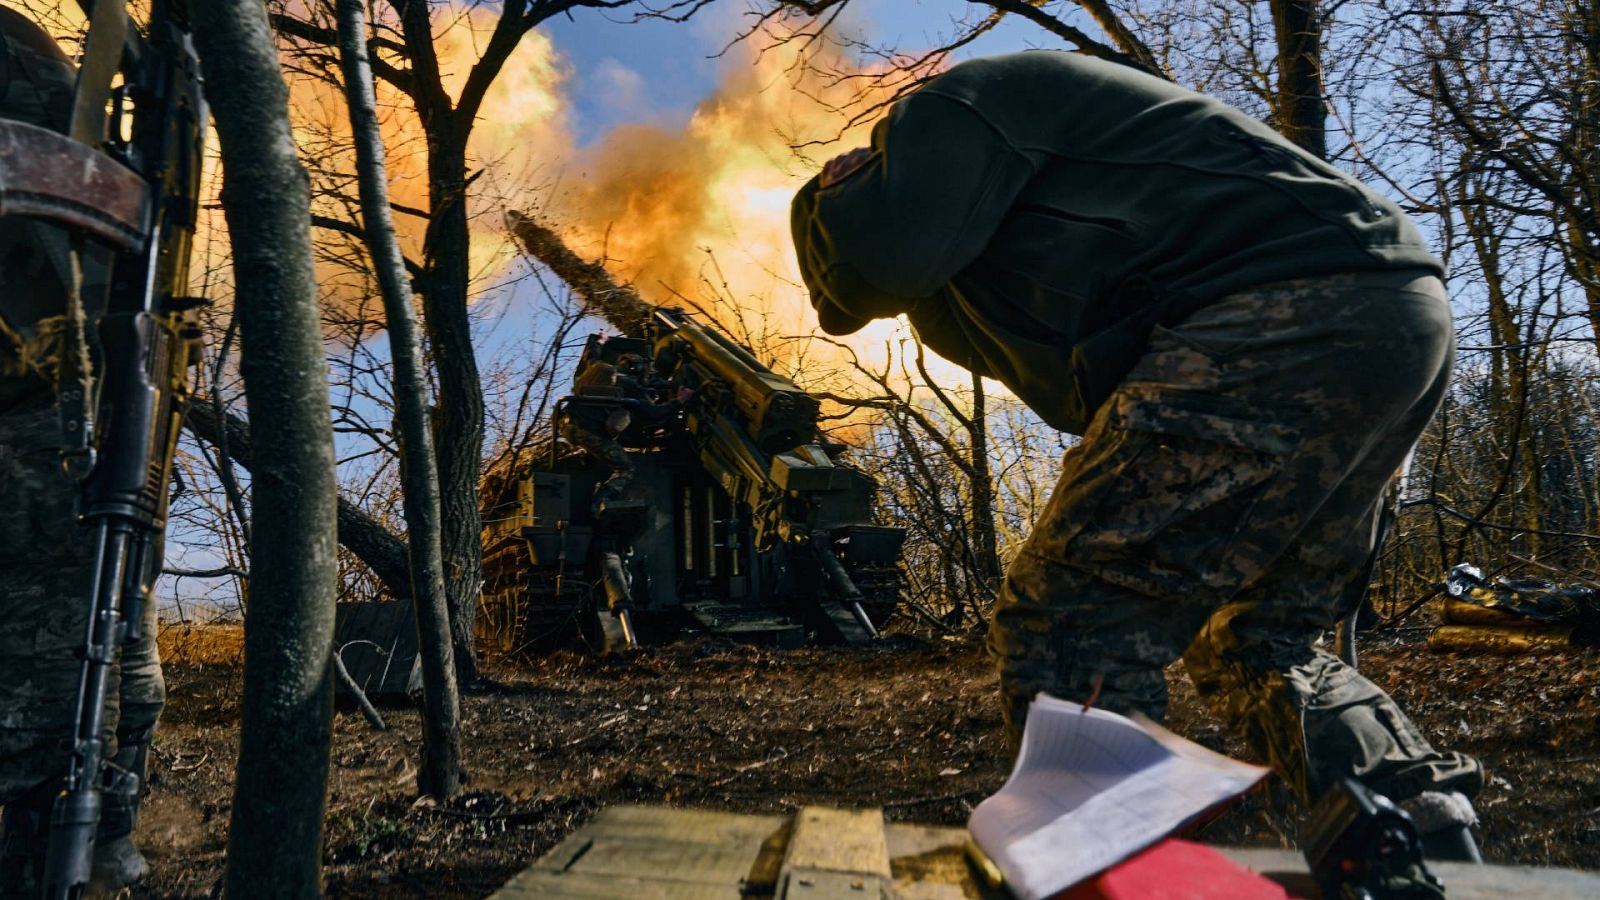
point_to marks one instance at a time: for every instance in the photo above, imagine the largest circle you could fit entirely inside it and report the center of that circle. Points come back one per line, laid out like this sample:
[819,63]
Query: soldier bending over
[1248,340]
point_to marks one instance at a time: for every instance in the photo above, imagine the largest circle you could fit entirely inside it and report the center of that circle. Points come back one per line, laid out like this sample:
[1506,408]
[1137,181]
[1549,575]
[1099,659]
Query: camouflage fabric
[46,559]
[1220,506]
[605,449]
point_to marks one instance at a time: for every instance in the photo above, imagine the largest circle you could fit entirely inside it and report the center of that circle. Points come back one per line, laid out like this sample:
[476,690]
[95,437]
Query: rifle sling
[108,29]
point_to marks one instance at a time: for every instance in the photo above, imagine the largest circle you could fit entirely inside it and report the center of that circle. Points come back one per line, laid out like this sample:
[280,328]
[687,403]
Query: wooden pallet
[660,853]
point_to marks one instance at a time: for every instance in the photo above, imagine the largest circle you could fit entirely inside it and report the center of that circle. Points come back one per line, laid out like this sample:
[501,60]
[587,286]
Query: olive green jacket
[1036,213]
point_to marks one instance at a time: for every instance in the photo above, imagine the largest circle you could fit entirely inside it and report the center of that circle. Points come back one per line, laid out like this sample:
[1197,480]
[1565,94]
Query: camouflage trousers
[46,559]
[607,451]
[1222,508]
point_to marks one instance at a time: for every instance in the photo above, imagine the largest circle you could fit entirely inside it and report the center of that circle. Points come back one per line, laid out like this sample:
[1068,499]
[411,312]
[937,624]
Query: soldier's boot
[117,864]
[24,836]
[117,861]
[1445,820]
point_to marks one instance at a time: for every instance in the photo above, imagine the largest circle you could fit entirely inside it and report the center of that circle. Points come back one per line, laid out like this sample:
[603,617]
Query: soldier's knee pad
[141,706]
[1207,659]
[1238,644]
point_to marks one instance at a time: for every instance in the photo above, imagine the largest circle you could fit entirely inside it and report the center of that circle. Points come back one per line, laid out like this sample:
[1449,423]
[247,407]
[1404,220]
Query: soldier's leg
[1301,708]
[1205,467]
[117,861]
[1066,622]
[45,562]
[1157,519]
[1315,719]
[1369,385]
[608,452]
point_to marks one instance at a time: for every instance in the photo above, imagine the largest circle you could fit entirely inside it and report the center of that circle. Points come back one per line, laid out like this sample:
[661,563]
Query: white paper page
[1092,788]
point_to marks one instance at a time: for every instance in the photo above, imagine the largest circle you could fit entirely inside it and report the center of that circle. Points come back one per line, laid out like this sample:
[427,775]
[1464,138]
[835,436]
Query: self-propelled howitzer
[738,517]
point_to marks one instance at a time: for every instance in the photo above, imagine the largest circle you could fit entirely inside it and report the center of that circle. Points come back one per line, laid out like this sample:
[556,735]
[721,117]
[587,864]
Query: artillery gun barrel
[762,488]
[731,364]
[777,413]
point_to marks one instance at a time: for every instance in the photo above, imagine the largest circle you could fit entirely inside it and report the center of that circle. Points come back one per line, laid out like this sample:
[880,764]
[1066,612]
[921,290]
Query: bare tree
[440,773]
[1519,85]
[275,836]
[407,58]
[1142,35]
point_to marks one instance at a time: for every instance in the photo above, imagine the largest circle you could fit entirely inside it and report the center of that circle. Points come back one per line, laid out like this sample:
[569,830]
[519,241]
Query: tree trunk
[985,542]
[458,431]
[275,835]
[1298,110]
[1583,148]
[440,772]
[458,417]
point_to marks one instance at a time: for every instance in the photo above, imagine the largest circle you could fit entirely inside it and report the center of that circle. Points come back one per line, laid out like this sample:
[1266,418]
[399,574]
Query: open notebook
[1092,788]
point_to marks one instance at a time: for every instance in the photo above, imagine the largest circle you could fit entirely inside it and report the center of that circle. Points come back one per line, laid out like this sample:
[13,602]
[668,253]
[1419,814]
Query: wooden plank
[929,863]
[839,840]
[836,852]
[666,859]
[684,824]
[820,884]
[566,853]
[646,852]
[658,853]
[533,885]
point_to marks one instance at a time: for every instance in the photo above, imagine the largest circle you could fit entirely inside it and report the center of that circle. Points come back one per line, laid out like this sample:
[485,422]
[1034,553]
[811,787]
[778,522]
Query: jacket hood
[813,248]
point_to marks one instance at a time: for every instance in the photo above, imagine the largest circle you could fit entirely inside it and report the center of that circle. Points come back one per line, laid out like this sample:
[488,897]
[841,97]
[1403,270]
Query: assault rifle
[136,196]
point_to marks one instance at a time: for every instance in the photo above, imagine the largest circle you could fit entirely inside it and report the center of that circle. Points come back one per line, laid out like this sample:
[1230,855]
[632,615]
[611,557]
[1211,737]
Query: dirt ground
[912,726]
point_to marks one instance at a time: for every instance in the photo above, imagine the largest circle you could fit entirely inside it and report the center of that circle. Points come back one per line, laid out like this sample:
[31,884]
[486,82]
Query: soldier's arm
[897,226]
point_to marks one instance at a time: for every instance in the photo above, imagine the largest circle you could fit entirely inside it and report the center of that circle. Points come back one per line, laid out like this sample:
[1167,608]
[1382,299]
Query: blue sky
[657,71]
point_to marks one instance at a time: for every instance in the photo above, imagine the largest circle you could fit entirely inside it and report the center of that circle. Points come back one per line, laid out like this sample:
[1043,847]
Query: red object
[1177,870]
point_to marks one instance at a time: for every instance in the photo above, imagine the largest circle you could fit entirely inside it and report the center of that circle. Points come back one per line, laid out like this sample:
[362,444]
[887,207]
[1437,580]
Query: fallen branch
[939,798]
[367,709]
[619,717]
[178,768]
[926,613]
[750,767]
[507,814]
